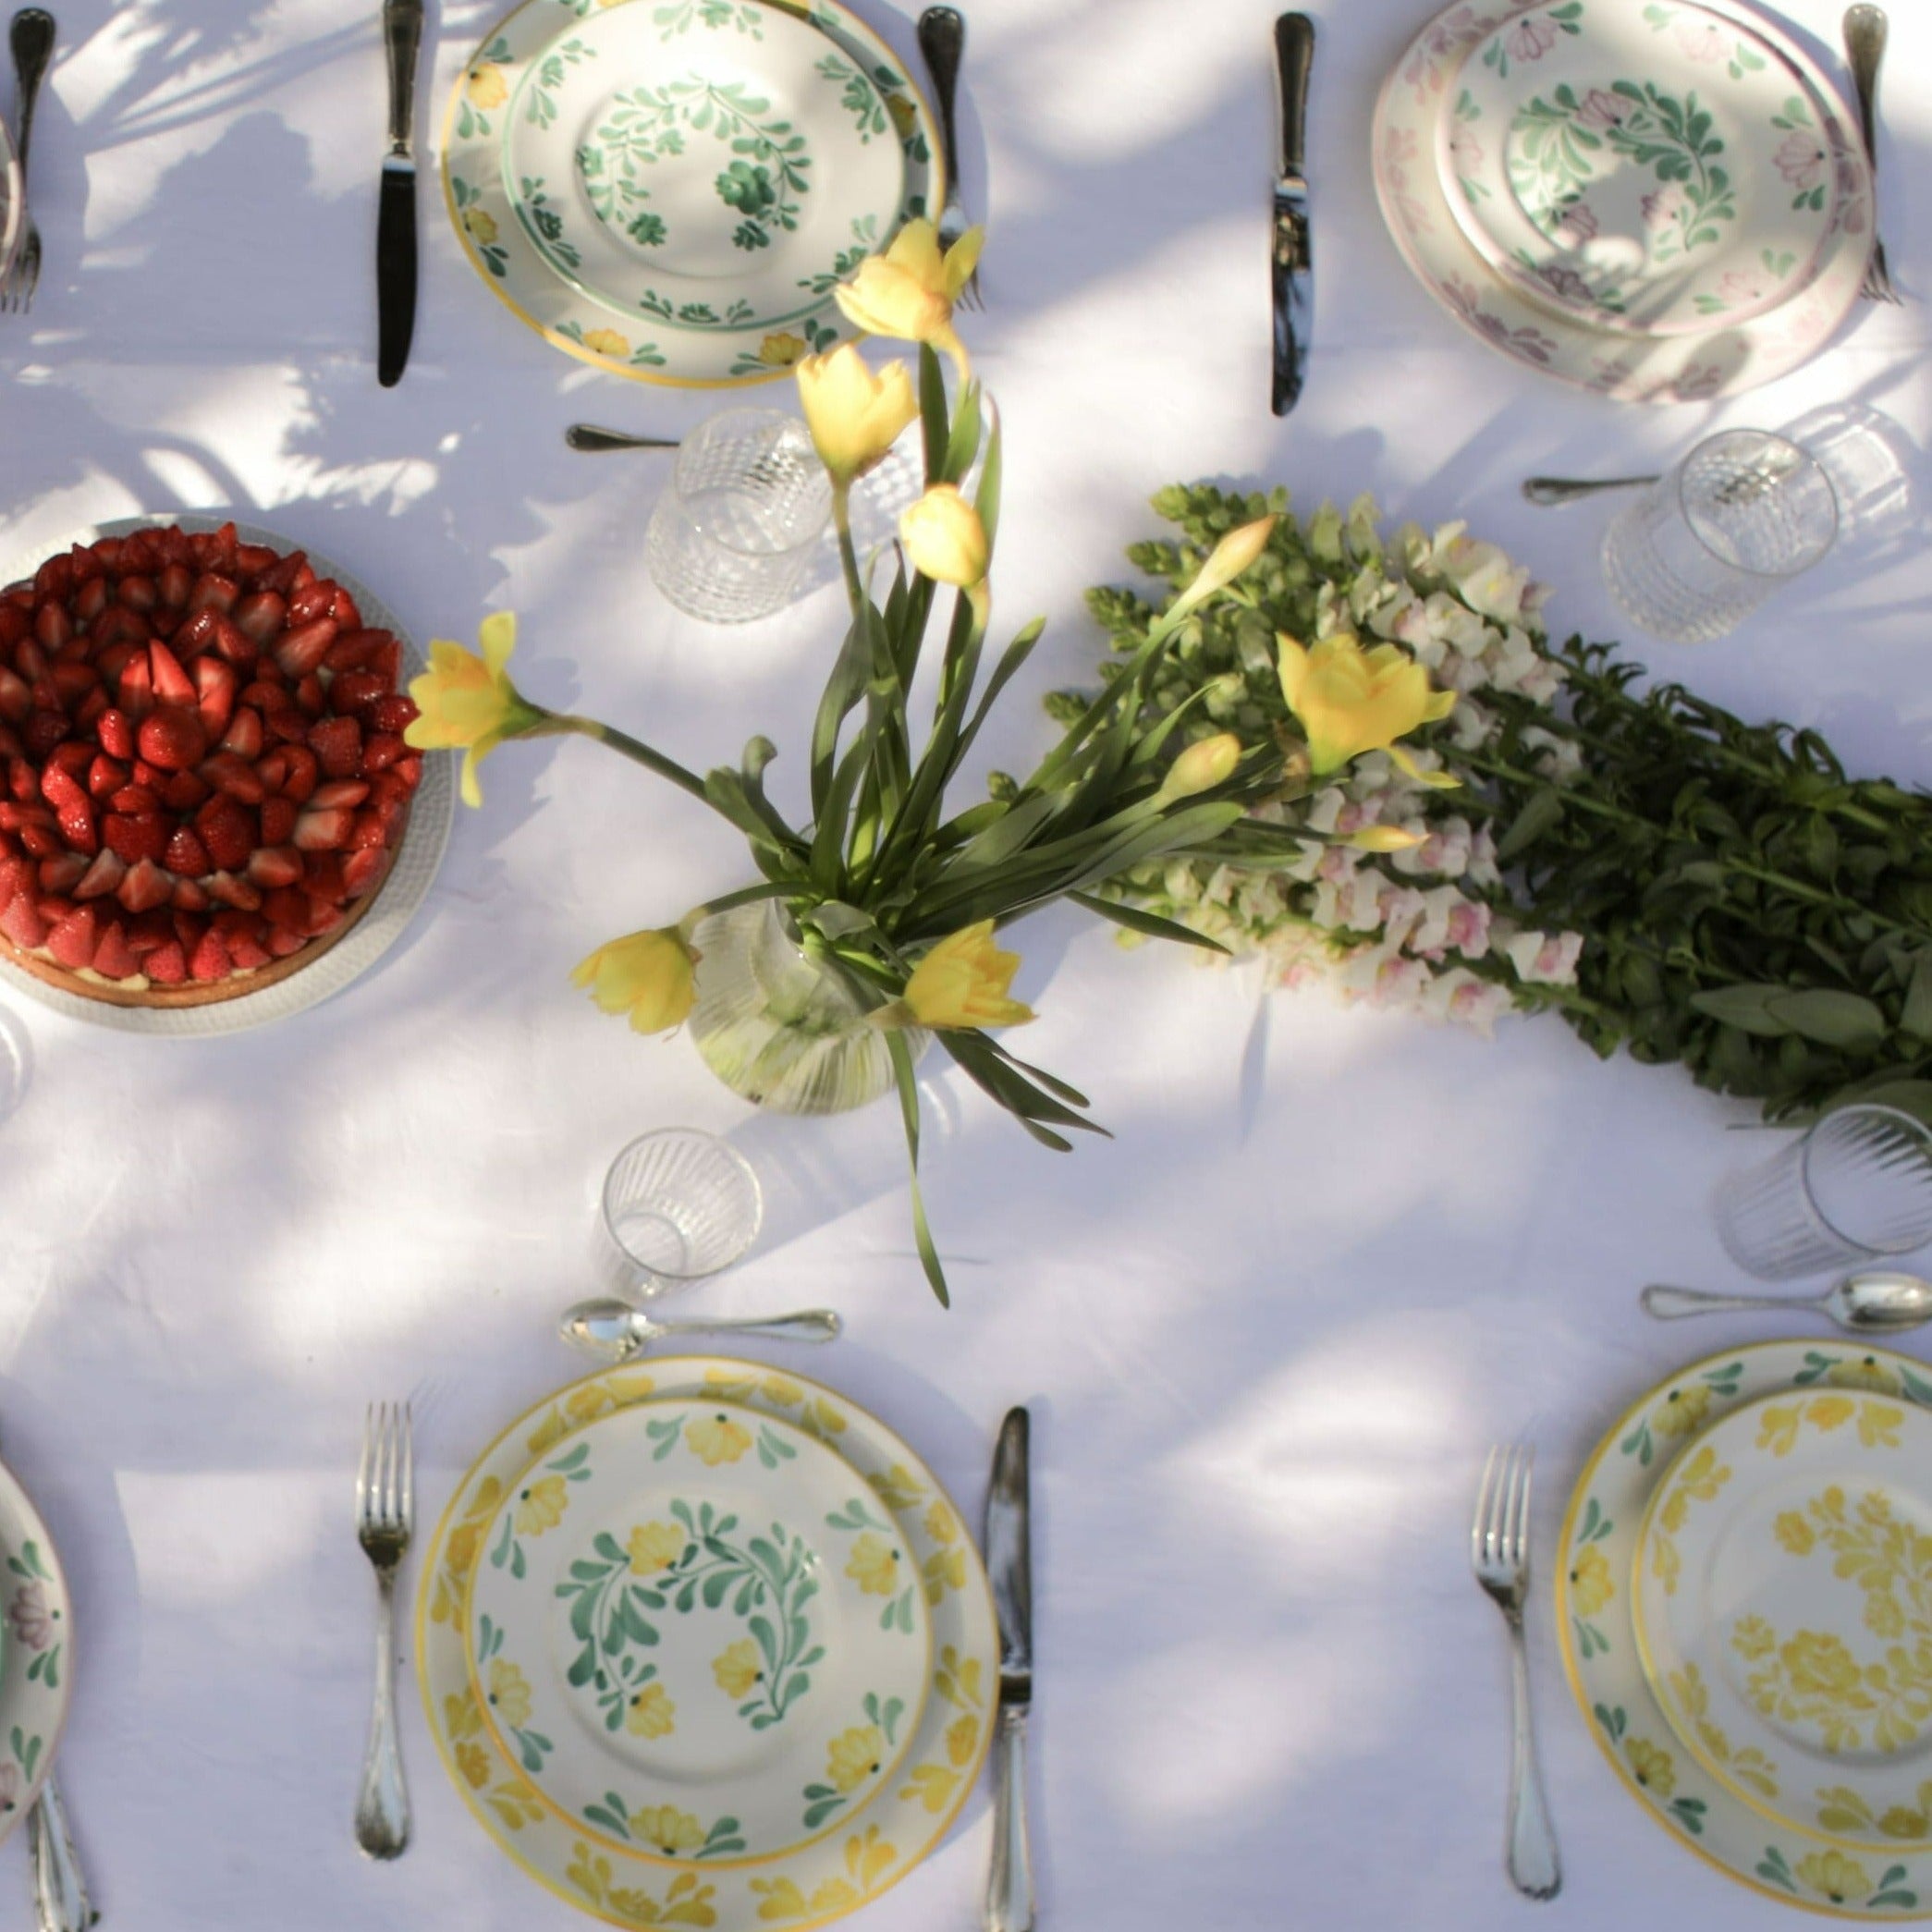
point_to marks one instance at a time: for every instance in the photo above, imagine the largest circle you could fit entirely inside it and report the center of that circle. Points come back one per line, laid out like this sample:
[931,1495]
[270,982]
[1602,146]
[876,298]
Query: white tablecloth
[1265,1333]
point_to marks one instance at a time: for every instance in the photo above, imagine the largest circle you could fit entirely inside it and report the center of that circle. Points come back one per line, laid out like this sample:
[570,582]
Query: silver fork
[31,40]
[1865,47]
[942,39]
[386,1512]
[1499,1554]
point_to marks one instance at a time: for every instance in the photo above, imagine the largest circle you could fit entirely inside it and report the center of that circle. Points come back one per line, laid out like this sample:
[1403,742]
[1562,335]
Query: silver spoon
[615,1330]
[594,441]
[1874,1302]
[1551,492]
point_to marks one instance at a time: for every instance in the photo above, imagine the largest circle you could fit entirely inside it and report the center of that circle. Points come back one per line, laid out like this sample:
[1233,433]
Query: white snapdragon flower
[1486,580]
[1544,959]
[1401,910]
[1559,758]
[1460,996]
[1483,873]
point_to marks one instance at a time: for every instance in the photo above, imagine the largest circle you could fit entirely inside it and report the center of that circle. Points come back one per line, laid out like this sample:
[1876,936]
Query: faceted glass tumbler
[1698,551]
[678,1204]
[1856,1184]
[740,517]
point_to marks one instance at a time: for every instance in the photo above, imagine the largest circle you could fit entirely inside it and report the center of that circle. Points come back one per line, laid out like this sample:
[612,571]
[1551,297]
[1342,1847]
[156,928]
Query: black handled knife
[395,213]
[1292,265]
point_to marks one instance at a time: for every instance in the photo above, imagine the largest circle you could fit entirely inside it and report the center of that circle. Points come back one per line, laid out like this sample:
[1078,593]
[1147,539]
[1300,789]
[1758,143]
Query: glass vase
[785,1029]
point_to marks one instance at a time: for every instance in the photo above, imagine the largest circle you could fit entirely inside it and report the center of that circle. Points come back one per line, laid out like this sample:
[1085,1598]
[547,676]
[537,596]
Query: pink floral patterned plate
[1654,171]
[1737,354]
[36,1656]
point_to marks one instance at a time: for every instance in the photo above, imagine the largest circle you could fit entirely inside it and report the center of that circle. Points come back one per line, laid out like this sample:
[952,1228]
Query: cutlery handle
[60,1900]
[1672,1304]
[382,1804]
[30,39]
[1551,492]
[1294,61]
[1864,46]
[1009,1884]
[588,437]
[1531,1852]
[810,1325]
[942,39]
[402,35]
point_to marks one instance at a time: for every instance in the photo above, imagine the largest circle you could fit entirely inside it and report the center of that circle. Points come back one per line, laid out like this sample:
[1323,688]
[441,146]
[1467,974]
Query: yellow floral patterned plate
[1595,1559]
[699,1633]
[873,1847]
[1782,1605]
[707,351]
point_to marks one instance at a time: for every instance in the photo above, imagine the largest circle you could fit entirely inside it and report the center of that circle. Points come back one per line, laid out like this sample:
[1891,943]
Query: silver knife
[1009,1886]
[395,216]
[1292,265]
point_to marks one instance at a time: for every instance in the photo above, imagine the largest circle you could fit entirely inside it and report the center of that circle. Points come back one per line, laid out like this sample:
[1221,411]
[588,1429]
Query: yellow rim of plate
[970,1773]
[1625,1417]
[1783,1820]
[800,9]
[889,1769]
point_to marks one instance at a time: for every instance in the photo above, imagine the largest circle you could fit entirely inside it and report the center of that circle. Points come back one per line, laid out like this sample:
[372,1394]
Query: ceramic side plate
[689,1608]
[643,342]
[1595,1557]
[1652,169]
[873,1844]
[36,1656]
[722,169]
[1783,1586]
[1539,334]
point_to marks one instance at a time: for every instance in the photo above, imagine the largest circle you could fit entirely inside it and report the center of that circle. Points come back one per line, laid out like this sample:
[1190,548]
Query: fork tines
[385,1482]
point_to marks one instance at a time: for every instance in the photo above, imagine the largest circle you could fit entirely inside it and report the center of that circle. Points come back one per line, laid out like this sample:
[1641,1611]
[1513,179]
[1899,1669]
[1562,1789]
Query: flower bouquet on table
[871,927]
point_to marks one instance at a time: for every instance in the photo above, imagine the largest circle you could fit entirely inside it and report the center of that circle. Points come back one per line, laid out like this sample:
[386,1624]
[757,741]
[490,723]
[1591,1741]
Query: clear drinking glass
[1700,549]
[1856,1184]
[740,516]
[677,1205]
[1868,456]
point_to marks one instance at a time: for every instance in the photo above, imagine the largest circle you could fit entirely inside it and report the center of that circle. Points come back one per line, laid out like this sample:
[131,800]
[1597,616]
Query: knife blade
[1291,260]
[395,209]
[1010,1886]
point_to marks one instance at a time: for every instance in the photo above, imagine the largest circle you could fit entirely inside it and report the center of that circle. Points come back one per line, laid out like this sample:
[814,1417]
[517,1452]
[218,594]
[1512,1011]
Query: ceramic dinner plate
[1423,92]
[1782,1590]
[1594,1562]
[872,1843]
[720,169]
[716,332]
[1649,169]
[687,1607]
[36,1653]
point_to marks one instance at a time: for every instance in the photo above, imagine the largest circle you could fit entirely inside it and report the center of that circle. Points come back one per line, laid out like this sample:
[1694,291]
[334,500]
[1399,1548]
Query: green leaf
[932,410]
[1747,1007]
[1542,814]
[1846,1020]
[1916,1017]
[909,1112]
[1149,923]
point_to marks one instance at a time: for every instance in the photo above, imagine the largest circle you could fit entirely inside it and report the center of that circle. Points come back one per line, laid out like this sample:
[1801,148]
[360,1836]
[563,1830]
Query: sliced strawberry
[135,837]
[59,787]
[197,632]
[138,592]
[44,729]
[145,885]
[52,626]
[340,791]
[214,694]
[116,731]
[243,735]
[321,876]
[371,828]
[39,839]
[300,651]
[174,584]
[322,831]
[286,905]
[315,600]
[360,870]
[17,875]
[236,776]
[234,646]
[167,965]
[311,699]
[148,930]
[90,600]
[271,866]
[22,923]
[266,695]
[136,686]
[261,615]
[324,913]
[284,940]
[16,623]
[72,682]
[72,941]
[61,874]
[230,888]
[281,576]
[11,743]
[133,798]
[55,577]
[213,591]
[114,958]
[172,684]
[172,739]
[15,695]
[247,951]
[337,745]
[103,876]
[278,816]
[346,611]
[284,724]
[355,694]
[252,559]
[186,856]
[32,662]
[89,708]
[396,712]
[184,791]
[78,827]
[106,775]
[228,830]
[122,628]
[189,895]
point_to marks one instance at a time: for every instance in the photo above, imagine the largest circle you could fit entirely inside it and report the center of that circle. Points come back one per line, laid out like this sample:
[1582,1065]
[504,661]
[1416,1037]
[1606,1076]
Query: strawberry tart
[205,772]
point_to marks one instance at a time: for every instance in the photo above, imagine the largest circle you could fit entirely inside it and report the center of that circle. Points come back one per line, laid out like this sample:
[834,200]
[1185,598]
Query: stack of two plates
[671,191]
[705,1645]
[1663,201]
[1745,1605]
[36,1653]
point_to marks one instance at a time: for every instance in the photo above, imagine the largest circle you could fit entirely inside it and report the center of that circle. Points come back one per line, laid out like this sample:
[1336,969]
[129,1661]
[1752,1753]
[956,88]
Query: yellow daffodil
[1202,766]
[909,291]
[667,1829]
[468,703]
[1351,701]
[964,982]
[1235,553]
[1385,839]
[652,1713]
[650,975]
[737,1668]
[945,538]
[853,1756]
[654,1546]
[855,415]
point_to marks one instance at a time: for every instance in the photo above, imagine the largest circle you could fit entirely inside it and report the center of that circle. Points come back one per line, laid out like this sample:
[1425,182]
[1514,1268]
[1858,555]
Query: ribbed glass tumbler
[1855,1185]
[678,1204]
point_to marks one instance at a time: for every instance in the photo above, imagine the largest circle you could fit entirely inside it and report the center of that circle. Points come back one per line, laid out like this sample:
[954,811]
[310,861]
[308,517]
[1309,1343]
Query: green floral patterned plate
[521,226]
[688,1608]
[716,170]
[36,1656]
[874,1842]
[1655,169]
[1595,1556]
[1782,1604]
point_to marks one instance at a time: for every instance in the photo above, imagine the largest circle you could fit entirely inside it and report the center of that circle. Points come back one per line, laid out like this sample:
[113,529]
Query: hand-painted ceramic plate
[1674,368]
[37,1657]
[874,1844]
[399,898]
[691,1608]
[1595,1559]
[1657,170]
[1782,1601]
[12,204]
[719,168]
[643,344]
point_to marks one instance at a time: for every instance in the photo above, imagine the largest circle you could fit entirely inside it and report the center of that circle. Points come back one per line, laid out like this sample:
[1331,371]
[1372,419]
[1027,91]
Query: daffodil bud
[909,291]
[945,538]
[1202,766]
[855,415]
[1385,838]
[1235,553]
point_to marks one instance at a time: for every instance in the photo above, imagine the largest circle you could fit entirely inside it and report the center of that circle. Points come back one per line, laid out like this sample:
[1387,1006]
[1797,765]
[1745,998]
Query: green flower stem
[557,724]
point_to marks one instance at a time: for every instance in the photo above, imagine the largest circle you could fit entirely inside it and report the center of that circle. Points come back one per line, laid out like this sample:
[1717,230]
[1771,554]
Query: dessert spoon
[1875,1302]
[1552,492]
[615,1330]
[594,441]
